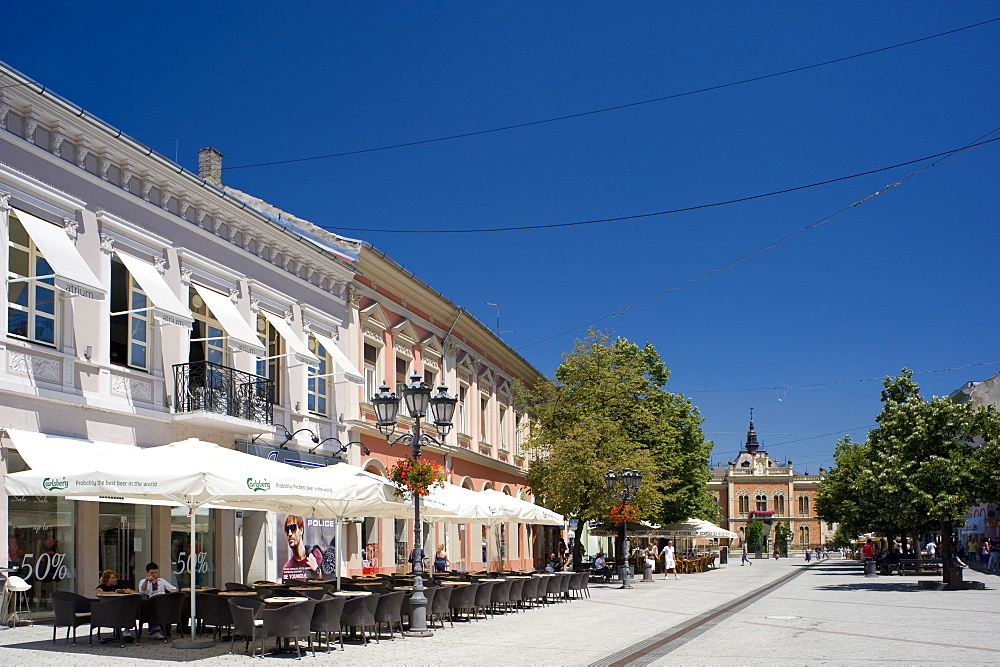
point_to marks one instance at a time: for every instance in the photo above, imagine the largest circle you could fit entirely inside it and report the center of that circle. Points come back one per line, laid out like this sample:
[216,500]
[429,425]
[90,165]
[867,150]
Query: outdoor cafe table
[494,581]
[306,588]
[456,583]
[284,600]
[113,594]
[238,594]
[351,594]
[201,589]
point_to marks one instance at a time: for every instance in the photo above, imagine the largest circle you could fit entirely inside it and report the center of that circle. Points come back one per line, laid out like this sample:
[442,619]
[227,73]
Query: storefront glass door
[124,533]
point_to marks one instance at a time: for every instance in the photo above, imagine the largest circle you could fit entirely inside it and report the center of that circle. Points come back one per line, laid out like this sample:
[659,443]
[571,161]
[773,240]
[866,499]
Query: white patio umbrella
[696,528]
[191,473]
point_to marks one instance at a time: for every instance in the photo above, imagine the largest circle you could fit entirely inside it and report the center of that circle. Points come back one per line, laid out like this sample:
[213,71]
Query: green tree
[606,409]
[781,532]
[924,465]
[754,534]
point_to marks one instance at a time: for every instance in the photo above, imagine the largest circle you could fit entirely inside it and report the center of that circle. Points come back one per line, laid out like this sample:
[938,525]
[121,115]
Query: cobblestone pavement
[774,612]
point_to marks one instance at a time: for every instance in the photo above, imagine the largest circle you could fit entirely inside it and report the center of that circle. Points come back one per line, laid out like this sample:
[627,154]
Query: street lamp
[630,479]
[417,396]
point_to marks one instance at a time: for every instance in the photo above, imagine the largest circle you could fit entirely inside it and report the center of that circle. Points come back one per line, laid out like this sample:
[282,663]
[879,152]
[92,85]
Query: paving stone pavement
[824,613]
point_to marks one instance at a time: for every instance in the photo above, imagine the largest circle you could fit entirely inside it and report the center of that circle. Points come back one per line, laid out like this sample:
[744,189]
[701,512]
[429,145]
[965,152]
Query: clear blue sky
[906,279]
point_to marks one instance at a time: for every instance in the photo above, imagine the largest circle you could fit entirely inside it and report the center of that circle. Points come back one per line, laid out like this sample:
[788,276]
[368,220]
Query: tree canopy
[923,466]
[606,409]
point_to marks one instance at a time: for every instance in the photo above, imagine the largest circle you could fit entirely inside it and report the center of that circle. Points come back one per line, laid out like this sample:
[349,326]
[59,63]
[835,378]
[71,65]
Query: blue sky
[907,278]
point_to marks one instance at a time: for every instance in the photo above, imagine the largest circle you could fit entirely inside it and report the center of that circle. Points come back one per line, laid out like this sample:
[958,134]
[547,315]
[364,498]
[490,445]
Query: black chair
[484,598]
[118,613]
[163,610]
[236,586]
[213,611]
[577,583]
[326,619]
[564,580]
[71,611]
[501,595]
[289,621]
[359,612]
[247,621]
[315,595]
[463,599]
[516,594]
[553,586]
[389,611]
[440,607]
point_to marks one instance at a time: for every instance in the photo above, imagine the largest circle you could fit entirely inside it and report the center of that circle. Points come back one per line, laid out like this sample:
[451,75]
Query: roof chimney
[210,166]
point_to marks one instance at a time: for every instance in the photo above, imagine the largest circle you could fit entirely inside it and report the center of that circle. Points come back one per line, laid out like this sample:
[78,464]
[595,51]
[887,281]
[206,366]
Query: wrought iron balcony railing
[202,385]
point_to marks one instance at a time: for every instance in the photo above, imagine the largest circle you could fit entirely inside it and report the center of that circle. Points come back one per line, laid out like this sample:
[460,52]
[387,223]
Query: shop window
[129,329]
[31,304]
[180,547]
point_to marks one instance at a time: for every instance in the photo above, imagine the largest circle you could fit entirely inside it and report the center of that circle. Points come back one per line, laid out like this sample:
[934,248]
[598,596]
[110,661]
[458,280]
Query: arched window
[803,505]
[804,535]
[761,503]
[779,505]
[744,505]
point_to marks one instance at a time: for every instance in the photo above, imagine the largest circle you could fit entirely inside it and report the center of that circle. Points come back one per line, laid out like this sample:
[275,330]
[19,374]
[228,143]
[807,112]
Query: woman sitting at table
[109,584]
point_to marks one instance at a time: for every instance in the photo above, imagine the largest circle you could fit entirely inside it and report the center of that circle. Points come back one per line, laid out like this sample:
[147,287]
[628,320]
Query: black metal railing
[202,385]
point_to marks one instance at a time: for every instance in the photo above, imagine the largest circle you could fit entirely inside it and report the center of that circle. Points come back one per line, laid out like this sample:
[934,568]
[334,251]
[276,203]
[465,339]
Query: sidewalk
[838,616]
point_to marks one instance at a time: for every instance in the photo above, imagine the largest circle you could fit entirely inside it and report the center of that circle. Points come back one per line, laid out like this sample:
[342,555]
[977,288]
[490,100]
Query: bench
[919,566]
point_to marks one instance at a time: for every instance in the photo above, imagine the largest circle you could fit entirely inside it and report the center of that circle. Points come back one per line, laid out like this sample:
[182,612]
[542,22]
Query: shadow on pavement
[895,587]
[148,650]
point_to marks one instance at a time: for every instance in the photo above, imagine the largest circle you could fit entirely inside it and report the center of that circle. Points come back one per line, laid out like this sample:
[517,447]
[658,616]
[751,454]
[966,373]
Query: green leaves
[606,408]
[925,463]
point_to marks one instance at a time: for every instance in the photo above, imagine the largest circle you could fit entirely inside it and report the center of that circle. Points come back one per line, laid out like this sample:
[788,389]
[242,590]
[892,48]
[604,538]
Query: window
[429,377]
[803,505]
[779,505]
[402,374]
[501,440]
[484,419]
[744,505]
[463,410]
[319,381]
[130,329]
[270,366]
[517,435]
[31,304]
[761,503]
[208,339]
[804,535]
[371,371]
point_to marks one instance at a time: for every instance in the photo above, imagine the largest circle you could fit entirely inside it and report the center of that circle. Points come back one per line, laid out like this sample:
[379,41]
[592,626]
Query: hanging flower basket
[624,514]
[417,477]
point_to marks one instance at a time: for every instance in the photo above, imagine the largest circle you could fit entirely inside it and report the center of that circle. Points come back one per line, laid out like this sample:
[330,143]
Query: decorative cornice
[160,264]
[107,244]
[82,150]
[71,227]
[104,163]
[31,126]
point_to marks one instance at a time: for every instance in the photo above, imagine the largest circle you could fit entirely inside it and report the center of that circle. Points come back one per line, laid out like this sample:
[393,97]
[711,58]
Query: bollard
[870,569]
[647,573]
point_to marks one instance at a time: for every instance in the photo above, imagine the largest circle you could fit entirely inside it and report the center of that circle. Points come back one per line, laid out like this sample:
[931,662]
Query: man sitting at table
[152,586]
[601,567]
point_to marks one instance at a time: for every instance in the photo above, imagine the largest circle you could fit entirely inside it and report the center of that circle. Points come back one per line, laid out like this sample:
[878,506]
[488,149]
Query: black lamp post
[631,479]
[417,396]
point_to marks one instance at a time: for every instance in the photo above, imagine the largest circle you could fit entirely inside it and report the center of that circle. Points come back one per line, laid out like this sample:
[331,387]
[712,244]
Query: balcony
[218,396]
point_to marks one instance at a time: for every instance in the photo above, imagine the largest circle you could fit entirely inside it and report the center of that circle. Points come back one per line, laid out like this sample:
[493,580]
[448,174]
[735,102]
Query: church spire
[752,444]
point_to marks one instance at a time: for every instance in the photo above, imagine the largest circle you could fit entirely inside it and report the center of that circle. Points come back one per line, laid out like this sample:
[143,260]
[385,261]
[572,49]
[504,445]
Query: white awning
[167,307]
[340,359]
[39,450]
[242,336]
[71,272]
[296,346]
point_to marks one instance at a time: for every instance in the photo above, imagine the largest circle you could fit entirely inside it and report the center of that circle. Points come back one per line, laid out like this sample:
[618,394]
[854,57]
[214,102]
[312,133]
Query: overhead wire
[617,107]
[637,216]
[774,244]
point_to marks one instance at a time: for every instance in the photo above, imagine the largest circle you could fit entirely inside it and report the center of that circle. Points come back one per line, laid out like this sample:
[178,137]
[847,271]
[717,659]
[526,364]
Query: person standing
[808,554]
[440,559]
[868,550]
[669,565]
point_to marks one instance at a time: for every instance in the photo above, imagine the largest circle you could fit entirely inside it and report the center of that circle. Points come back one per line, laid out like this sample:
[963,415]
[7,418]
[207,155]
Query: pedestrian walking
[746,559]
[808,554]
[669,565]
